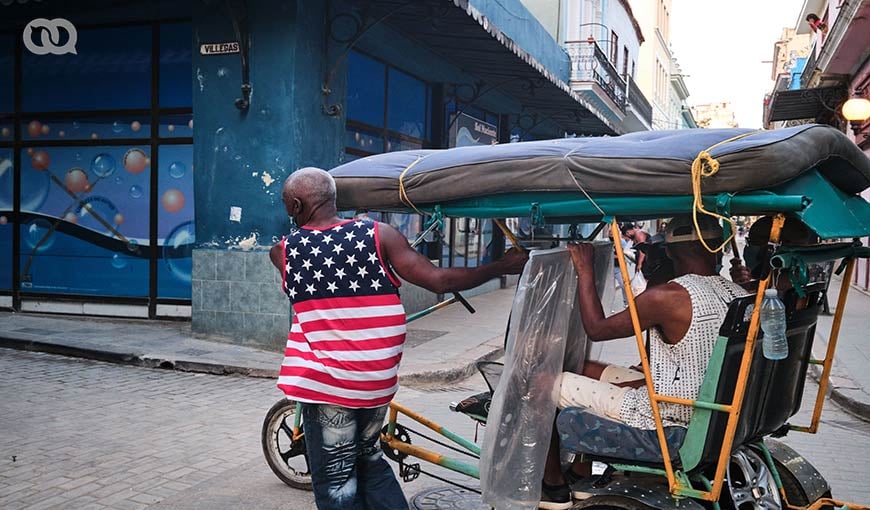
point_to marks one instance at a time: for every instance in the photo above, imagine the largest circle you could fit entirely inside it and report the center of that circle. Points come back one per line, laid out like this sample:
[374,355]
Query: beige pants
[602,396]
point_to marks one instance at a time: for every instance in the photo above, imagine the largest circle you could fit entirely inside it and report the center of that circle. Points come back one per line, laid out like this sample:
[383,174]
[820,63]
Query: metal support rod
[832,346]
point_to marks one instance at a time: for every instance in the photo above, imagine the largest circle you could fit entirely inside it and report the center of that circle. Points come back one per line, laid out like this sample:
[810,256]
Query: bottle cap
[771,293]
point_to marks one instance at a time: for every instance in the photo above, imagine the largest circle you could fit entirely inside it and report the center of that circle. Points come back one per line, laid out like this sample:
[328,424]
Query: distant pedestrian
[348,331]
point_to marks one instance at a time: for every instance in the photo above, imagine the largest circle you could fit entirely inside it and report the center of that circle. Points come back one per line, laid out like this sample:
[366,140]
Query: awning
[467,38]
[806,103]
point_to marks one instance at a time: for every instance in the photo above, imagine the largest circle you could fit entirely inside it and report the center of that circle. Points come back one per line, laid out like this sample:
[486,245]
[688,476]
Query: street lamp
[856,110]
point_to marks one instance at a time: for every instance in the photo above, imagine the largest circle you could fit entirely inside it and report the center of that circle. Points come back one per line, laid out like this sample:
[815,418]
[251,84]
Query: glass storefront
[105,162]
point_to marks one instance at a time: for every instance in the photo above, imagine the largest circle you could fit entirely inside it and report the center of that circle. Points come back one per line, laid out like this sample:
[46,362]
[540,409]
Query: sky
[720,46]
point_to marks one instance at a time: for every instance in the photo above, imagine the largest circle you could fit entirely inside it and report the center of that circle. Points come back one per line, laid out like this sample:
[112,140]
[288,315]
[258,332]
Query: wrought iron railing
[639,102]
[590,64]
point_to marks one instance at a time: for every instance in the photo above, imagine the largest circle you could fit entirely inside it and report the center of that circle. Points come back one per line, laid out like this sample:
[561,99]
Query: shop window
[366,91]
[407,102]
[85,220]
[176,89]
[387,110]
[86,195]
[175,225]
[111,71]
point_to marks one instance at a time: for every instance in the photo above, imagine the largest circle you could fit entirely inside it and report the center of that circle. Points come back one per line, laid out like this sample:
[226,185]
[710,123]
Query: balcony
[638,103]
[590,66]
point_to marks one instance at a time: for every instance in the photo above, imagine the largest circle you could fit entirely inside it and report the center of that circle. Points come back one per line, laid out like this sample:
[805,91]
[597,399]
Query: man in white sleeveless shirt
[683,317]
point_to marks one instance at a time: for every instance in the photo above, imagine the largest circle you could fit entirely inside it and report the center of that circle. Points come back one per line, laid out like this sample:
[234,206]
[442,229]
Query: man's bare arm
[667,306]
[417,269]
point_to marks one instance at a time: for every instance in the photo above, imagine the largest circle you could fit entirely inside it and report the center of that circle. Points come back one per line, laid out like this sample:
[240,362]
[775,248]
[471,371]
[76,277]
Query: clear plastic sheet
[546,338]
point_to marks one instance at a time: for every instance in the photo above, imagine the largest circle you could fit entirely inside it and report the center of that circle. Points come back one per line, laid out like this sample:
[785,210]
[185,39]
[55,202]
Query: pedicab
[727,456]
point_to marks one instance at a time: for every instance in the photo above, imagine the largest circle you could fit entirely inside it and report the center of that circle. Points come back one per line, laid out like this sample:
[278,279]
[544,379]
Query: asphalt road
[91,435]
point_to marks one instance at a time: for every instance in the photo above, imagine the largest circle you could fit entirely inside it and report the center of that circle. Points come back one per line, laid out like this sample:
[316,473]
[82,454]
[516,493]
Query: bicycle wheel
[287,458]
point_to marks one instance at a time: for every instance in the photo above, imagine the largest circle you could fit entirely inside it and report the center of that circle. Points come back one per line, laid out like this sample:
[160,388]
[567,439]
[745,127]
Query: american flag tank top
[348,329]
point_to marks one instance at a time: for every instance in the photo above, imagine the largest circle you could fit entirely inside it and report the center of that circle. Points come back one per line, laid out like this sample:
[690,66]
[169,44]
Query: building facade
[835,69]
[604,41]
[714,115]
[680,113]
[654,63]
[140,175]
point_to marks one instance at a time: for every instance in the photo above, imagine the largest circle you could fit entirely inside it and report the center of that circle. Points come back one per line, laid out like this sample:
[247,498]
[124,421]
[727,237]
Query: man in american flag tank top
[348,331]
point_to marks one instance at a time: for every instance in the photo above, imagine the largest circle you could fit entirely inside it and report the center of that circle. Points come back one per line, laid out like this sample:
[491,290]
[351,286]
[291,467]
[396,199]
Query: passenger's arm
[417,269]
[667,306]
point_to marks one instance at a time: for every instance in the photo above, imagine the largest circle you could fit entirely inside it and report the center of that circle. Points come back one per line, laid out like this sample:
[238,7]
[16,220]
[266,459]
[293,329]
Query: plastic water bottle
[775,343]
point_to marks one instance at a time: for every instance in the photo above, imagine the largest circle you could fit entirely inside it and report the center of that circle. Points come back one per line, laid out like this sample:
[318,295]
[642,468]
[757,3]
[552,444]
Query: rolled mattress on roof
[642,163]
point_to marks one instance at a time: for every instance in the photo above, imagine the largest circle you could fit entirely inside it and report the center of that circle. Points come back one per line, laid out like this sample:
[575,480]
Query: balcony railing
[589,64]
[810,67]
[638,102]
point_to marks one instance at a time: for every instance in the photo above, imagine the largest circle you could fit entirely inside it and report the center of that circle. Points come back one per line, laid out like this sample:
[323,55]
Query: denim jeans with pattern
[348,469]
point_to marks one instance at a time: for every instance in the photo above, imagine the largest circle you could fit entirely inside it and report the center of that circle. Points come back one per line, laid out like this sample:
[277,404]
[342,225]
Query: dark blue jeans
[348,469]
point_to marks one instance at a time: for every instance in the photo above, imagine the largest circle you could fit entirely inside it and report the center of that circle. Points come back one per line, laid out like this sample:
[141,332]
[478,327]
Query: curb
[858,407]
[452,374]
[421,378]
[136,360]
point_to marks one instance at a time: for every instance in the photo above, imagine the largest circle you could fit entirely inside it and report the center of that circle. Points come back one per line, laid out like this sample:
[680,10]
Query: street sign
[225,48]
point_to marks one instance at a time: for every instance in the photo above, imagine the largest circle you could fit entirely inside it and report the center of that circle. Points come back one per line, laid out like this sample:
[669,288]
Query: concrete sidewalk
[442,346]
[850,375]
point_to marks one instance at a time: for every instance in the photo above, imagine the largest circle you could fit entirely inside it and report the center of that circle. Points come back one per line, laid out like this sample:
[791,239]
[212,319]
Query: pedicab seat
[774,389]
[773,394]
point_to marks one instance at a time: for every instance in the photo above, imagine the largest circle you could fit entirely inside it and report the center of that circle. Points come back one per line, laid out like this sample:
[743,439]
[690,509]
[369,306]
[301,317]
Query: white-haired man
[348,330]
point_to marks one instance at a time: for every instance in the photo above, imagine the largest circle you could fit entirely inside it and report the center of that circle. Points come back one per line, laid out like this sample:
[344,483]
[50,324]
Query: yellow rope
[706,165]
[403,194]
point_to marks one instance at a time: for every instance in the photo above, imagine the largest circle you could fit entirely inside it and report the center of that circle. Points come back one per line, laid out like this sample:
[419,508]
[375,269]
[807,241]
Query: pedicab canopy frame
[813,172]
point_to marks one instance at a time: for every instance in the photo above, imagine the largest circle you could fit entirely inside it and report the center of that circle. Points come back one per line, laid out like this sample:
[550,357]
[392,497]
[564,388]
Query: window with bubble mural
[106,195]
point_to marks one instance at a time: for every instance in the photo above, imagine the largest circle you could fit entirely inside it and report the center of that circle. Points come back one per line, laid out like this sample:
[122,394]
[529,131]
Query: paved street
[84,434]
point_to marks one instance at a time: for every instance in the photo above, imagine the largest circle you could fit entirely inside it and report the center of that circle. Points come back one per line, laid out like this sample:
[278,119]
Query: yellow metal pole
[647,374]
[686,402]
[394,407]
[832,346]
[743,374]
[507,233]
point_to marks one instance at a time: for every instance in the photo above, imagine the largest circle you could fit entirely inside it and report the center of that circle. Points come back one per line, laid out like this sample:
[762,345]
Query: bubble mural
[103,165]
[177,251]
[172,200]
[135,161]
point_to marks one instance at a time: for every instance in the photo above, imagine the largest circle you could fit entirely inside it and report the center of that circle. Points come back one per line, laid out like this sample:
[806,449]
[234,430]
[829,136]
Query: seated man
[683,317]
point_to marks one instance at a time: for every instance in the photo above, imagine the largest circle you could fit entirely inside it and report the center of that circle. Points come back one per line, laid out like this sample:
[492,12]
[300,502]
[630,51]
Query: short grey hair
[311,184]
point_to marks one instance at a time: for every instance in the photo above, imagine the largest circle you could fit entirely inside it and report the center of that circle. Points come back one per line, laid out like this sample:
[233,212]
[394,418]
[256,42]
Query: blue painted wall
[284,129]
